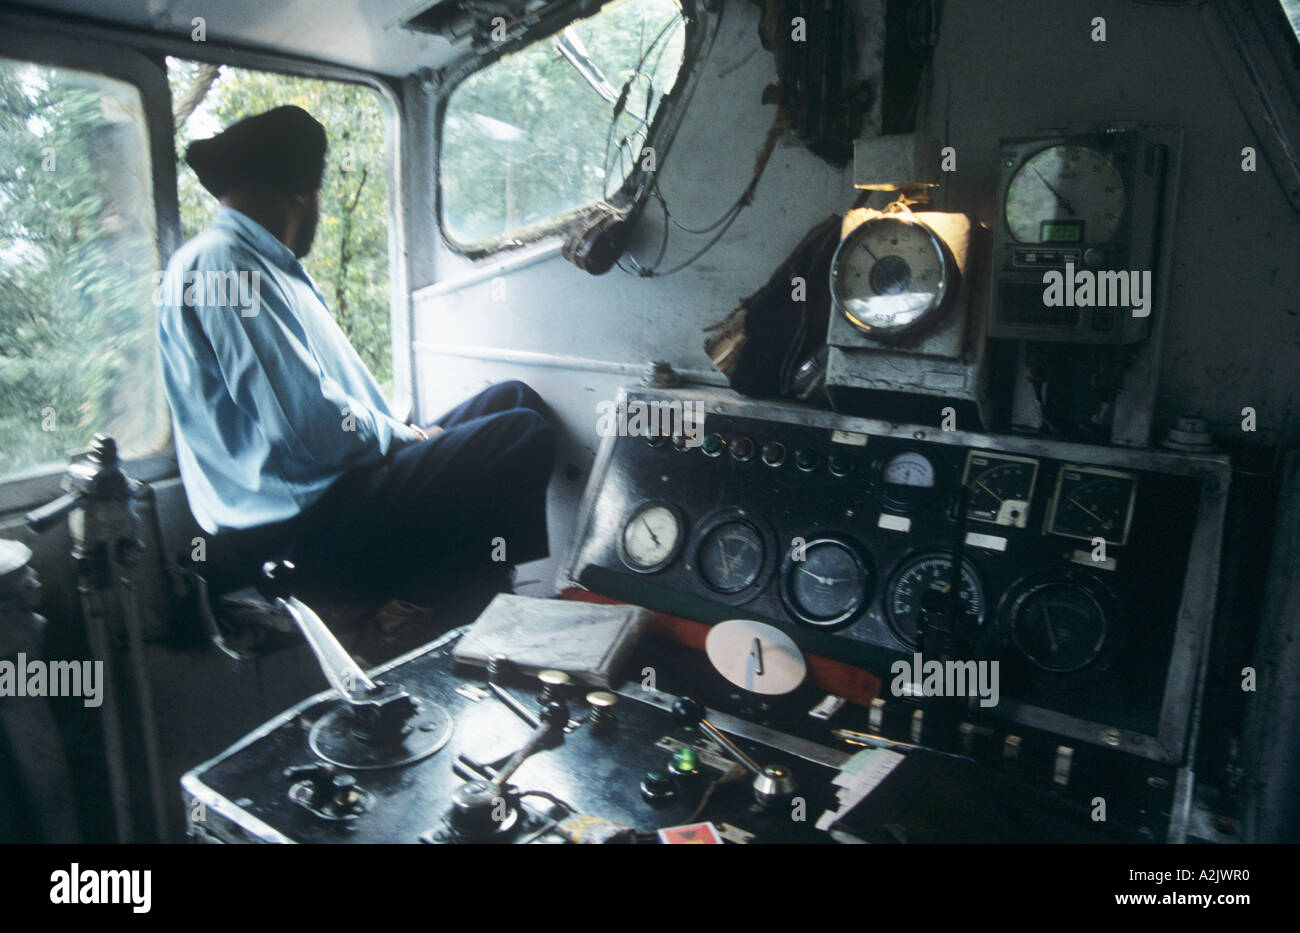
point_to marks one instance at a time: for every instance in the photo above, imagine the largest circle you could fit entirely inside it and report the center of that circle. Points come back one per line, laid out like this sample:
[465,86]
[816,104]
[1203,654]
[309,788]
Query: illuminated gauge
[1059,627]
[730,556]
[909,482]
[651,538]
[1065,194]
[890,277]
[829,585]
[1000,488]
[922,584]
[1090,502]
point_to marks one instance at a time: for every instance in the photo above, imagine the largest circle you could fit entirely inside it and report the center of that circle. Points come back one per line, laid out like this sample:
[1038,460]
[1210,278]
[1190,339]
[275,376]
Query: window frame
[140,60]
[30,487]
[700,28]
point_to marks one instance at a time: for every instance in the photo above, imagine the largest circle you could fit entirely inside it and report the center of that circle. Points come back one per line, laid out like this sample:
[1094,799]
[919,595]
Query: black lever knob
[277,579]
[688,711]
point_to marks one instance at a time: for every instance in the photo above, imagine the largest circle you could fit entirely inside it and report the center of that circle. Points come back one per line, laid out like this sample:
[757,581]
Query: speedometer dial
[1065,194]
[922,584]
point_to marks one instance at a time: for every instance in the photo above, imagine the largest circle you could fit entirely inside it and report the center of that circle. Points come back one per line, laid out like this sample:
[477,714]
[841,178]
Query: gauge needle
[1088,510]
[757,655]
[1051,633]
[989,491]
[1064,203]
[649,529]
[728,562]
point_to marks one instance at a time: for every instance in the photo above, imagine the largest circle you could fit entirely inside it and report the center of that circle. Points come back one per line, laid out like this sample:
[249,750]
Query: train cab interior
[659,421]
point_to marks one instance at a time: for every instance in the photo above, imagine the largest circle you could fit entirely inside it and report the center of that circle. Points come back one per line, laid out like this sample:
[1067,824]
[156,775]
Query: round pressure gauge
[1065,194]
[891,277]
[652,537]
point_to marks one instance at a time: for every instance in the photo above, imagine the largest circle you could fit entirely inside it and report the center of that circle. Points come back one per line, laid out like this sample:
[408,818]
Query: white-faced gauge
[1065,194]
[651,537]
[891,277]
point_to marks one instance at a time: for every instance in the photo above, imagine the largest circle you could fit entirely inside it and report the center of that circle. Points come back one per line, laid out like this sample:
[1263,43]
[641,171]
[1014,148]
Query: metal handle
[343,673]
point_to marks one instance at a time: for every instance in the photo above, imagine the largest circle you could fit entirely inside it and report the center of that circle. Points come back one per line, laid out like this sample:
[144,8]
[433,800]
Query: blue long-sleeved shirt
[270,403]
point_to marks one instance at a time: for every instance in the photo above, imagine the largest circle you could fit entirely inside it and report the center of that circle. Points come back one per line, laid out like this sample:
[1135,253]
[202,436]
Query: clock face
[756,657]
[1065,194]
[890,276]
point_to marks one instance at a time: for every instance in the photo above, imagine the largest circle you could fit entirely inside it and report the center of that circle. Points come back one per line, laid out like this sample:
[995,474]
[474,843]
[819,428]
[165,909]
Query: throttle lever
[771,784]
[383,712]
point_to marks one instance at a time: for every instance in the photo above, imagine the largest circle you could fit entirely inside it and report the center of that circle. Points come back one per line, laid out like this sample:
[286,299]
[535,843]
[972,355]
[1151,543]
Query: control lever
[482,808]
[383,712]
[379,725]
[771,784]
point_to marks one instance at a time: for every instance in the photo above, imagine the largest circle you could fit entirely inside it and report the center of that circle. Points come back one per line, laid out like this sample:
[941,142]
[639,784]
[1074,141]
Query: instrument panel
[1075,560]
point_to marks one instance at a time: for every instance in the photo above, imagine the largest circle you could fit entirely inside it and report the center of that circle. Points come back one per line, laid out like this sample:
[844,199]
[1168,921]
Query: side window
[77,257]
[349,259]
[546,132]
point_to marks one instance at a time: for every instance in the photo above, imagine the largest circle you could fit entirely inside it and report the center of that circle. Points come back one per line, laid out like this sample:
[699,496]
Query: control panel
[1086,574]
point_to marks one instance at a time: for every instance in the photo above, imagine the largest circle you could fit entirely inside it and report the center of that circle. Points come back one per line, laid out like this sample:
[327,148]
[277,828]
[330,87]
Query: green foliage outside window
[530,139]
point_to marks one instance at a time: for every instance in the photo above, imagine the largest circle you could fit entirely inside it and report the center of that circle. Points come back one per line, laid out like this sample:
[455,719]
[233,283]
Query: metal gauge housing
[1059,626]
[826,582]
[924,574]
[1065,194]
[1000,488]
[731,555]
[651,537]
[909,482]
[891,277]
[1091,502]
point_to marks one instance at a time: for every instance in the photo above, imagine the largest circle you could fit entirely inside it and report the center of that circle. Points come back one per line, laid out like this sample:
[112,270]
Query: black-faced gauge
[1058,626]
[1065,194]
[651,537]
[891,277]
[756,657]
[917,585]
[908,481]
[825,582]
[1000,488]
[1090,502]
[730,556]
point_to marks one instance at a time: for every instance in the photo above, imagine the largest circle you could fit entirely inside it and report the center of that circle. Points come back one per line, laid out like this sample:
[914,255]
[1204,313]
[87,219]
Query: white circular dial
[909,469]
[650,537]
[1065,194]
[889,274]
[756,656]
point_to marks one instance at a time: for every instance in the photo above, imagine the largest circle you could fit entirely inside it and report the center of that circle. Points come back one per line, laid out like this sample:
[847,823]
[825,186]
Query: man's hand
[423,434]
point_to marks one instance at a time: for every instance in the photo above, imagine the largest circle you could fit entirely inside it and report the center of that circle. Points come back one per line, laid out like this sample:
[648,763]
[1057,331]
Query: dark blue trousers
[470,499]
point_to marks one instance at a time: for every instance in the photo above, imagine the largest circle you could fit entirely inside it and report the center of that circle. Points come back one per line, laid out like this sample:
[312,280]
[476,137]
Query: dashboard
[1085,572]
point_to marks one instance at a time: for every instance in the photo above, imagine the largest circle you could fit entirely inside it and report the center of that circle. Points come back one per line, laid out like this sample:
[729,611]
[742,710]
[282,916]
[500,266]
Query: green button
[686,759]
[713,444]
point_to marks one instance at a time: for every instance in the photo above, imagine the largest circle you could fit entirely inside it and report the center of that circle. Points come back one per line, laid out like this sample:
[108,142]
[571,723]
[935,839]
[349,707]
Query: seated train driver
[279,424]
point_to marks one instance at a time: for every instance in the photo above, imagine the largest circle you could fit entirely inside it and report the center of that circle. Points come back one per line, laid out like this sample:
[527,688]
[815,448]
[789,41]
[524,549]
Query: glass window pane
[78,254]
[534,137]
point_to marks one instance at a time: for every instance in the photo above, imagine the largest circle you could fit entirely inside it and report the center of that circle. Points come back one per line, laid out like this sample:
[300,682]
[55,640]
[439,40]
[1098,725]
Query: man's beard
[303,240]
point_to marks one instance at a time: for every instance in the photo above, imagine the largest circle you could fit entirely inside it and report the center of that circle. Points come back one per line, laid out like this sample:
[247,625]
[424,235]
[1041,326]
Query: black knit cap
[282,149]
